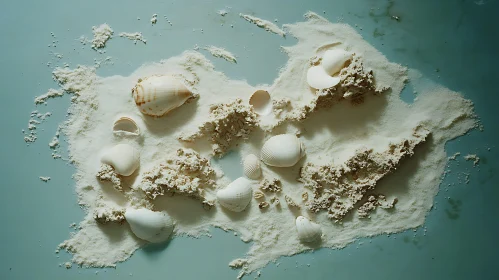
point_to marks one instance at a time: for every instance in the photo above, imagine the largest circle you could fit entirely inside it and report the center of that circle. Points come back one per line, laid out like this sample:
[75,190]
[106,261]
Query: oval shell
[318,78]
[150,225]
[261,102]
[283,150]
[251,167]
[308,231]
[126,126]
[334,60]
[124,158]
[237,195]
[158,95]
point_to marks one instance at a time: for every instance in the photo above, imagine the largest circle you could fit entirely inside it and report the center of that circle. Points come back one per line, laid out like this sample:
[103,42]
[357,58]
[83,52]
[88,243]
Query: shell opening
[261,102]
[126,126]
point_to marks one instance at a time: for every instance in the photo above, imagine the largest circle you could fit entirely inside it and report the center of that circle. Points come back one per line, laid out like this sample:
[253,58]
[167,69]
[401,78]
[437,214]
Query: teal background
[454,43]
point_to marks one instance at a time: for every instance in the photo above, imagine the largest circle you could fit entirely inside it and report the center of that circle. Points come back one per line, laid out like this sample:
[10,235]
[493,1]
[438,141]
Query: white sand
[265,24]
[102,34]
[51,93]
[135,36]
[329,136]
[221,53]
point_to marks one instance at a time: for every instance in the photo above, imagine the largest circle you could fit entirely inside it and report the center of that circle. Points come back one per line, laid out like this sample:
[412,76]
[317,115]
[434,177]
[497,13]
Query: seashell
[283,150]
[334,60]
[261,102]
[149,225]
[124,158]
[158,95]
[318,78]
[251,167]
[308,231]
[126,126]
[236,196]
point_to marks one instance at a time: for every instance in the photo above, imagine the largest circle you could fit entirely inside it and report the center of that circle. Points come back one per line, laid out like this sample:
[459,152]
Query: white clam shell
[283,150]
[318,78]
[126,126]
[237,195]
[308,231]
[150,225]
[261,102]
[334,60]
[124,158]
[251,167]
[158,95]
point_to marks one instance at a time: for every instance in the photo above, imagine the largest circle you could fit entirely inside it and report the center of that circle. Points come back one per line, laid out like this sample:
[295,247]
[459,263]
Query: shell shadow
[237,216]
[154,250]
[183,209]
[169,123]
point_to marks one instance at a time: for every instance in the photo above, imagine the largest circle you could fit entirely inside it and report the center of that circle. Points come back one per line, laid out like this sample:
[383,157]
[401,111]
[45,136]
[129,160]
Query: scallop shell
[149,225]
[124,158]
[261,102]
[251,167]
[308,231]
[318,78]
[334,60]
[126,126]
[237,195]
[158,95]
[283,150]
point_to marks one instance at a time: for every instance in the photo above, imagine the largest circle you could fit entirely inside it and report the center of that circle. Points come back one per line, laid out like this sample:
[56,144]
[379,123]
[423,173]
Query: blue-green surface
[454,43]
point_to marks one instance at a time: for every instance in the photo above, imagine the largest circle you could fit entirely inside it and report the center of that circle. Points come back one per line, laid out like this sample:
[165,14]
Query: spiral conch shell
[283,150]
[308,231]
[237,195]
[149,225]
[158,95]
[124,158]
[251,167]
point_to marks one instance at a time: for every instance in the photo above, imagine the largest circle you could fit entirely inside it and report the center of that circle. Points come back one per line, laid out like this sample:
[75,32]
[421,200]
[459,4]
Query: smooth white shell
[124,158]
[149,225]
[237,195]
[283,150]
[334,60]
[126,126]
[251,167]
[318,78]
[308,231]
[157,95]
[261,102]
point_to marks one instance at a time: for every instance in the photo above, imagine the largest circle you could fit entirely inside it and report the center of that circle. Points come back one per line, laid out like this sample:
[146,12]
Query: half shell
[150,225]
[308,231]
[261,102]
[283,150]
[334,60]
[126,126]
[158,95]
[251,167]
[318,78]
[237,195]
[124,158]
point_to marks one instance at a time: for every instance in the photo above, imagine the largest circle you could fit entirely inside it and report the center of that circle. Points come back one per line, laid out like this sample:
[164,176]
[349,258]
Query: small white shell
[124,158]
[318,78]
[308,231]
[157,95]
[283,150]
[149,225]
[334,60]
[261,102]
[237,195]
[251,167]
[126,126]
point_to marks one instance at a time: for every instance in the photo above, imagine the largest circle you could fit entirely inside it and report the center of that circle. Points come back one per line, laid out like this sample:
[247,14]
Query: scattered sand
[154,19]
[265,24]
[360,130]
[102,34]
[44,179]
[51,93]
[221,53]
[135,37]
[473,158]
